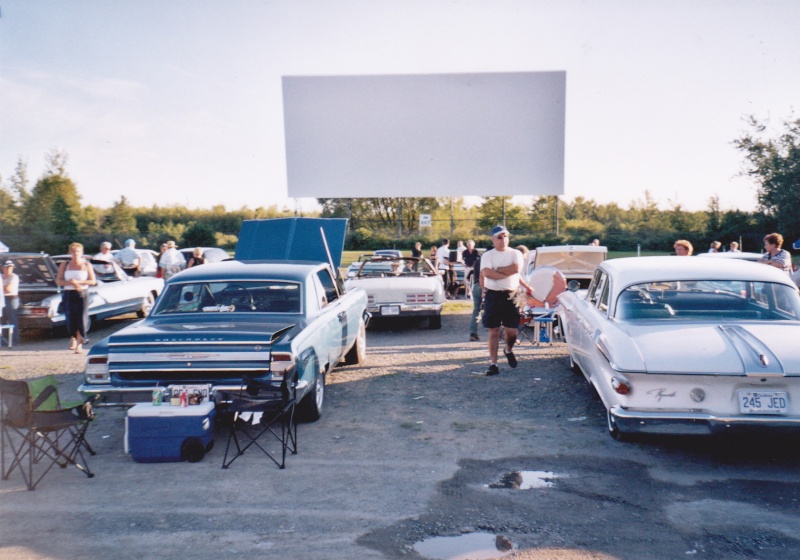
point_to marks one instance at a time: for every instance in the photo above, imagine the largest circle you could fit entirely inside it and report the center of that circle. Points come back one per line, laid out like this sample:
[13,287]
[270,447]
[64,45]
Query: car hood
[289,239]
[36,271]
[229,330]
[757,348]
[572,260]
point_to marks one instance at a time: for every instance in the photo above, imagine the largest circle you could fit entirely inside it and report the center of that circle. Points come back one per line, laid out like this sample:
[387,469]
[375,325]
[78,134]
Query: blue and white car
[277,312]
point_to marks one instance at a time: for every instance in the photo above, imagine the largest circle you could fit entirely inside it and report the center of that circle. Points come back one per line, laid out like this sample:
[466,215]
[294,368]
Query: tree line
[49,215]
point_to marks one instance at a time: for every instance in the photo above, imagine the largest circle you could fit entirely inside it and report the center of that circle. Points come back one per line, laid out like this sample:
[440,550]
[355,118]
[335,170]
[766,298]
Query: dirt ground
[415,445]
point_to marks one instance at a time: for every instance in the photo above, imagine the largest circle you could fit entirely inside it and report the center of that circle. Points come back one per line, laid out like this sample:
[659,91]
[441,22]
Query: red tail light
[621,386]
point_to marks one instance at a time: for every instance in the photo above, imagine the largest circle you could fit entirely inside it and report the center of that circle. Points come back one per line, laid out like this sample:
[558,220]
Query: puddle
[469,546]
[526,480]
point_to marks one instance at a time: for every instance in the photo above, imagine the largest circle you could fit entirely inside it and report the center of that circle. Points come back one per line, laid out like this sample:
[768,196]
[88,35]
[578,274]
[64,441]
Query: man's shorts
[499,309]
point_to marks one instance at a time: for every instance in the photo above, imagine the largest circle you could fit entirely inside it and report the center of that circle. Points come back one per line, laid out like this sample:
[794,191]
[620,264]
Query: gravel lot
[416,444]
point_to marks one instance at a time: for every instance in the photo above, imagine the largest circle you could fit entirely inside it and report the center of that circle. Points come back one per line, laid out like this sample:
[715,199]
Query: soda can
[157,394]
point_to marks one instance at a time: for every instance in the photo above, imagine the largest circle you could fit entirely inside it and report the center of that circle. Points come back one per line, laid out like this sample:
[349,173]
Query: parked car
[148,265]
[216,325]
[115,293]
[211,254]
[389,252]
[401,287]
[576,262]
[687,345]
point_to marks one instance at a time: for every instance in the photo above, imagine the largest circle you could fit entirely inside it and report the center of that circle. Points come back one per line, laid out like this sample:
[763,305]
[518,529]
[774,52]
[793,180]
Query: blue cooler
[159,434]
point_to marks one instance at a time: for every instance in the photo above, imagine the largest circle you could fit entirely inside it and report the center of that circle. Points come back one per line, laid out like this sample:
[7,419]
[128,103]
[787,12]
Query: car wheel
[358,352]
[146,307]
[435,322]
[614,430]
[310,408]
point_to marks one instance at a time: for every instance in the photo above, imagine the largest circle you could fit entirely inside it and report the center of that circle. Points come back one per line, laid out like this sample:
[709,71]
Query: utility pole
[556,215]
[504,211]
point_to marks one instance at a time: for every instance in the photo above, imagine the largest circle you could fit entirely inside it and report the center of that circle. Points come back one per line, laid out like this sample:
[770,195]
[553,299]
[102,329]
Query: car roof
[572,249]
[638,270]
[294,271]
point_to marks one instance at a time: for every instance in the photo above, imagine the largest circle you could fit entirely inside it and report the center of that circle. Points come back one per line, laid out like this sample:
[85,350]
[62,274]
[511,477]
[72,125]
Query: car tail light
[621,386]
[370,299]
[97,370]
[280,363]
[419,298]
[39,311]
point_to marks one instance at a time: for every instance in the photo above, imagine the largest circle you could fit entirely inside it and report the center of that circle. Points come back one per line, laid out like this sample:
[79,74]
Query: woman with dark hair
[75,276]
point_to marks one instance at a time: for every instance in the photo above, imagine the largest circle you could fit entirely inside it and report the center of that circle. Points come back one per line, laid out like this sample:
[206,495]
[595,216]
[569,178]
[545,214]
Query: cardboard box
[158,434]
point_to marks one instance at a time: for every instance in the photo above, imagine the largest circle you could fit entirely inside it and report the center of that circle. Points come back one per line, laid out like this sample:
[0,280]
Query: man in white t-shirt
[500,281]
[443,264]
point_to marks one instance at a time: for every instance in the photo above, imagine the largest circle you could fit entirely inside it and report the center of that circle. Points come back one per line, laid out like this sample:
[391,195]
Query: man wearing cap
[500,280]
[128,258]
[11,295]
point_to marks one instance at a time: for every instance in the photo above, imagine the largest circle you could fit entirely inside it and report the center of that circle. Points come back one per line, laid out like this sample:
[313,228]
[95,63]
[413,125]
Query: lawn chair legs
[246,433]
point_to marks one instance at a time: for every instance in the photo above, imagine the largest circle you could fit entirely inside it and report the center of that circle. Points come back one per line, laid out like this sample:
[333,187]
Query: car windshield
[229,297]
[387,267]
[709,299]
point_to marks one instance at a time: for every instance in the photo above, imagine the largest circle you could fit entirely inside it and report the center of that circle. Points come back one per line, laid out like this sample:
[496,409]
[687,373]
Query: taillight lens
[280,363]
[97,370]
[621,386]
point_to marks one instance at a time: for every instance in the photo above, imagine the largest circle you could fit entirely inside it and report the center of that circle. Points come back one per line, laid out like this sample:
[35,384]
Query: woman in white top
[76,275]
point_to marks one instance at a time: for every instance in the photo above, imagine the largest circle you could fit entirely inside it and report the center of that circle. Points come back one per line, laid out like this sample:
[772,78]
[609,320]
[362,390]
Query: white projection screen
[486,134]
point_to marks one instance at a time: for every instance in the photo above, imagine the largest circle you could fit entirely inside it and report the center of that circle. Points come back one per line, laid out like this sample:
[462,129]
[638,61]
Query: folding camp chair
[40,430]
[258,413]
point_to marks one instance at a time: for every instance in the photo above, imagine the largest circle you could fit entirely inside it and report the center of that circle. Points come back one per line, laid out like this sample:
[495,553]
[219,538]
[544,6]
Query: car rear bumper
[406,310]
[698,423]
[110,395]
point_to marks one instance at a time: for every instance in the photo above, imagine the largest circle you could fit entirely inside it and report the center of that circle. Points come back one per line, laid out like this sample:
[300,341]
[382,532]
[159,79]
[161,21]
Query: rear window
[230,297]
[716,300]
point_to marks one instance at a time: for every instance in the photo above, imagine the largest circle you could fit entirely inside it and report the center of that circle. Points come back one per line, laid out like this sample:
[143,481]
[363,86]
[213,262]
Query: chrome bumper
[407,310]
[109,395]
[697,423]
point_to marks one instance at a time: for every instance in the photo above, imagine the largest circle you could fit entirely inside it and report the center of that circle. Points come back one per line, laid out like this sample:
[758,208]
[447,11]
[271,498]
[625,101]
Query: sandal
[73,343]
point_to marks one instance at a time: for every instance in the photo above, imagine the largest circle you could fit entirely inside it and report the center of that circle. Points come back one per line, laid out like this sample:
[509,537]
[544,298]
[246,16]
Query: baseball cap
[8,263]
[497,230]
[130,243]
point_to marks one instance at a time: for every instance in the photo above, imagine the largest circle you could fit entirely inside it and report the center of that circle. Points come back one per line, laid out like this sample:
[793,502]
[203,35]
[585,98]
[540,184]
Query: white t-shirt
[497,259]
[443,256]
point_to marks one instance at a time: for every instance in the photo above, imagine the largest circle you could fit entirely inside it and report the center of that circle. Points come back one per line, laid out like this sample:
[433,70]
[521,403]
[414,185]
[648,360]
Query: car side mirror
[573,285]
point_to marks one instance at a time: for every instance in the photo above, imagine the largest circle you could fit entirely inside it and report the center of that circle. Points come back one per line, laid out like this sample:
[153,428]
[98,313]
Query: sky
[179,101]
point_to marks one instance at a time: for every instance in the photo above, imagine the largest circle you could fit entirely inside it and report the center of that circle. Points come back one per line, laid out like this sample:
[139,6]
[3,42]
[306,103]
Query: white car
[576,262]
[688,346]
[115,294]
[400,287]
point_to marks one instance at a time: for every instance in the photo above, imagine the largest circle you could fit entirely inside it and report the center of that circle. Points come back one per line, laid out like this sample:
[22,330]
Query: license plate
[175,390]
[390,310]
[763,402]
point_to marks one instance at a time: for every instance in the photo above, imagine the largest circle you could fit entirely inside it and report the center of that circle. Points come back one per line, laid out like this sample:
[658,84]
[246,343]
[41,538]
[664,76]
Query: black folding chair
[258,411]
[40,430]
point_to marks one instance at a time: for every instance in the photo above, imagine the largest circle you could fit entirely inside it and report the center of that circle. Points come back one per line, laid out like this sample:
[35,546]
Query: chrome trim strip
[201,357]
[219,342]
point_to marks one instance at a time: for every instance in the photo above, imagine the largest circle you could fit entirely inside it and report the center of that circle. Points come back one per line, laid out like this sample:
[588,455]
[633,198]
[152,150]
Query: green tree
[774,164]
[490,214]
[199,234]
[64,222]
[121,219]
